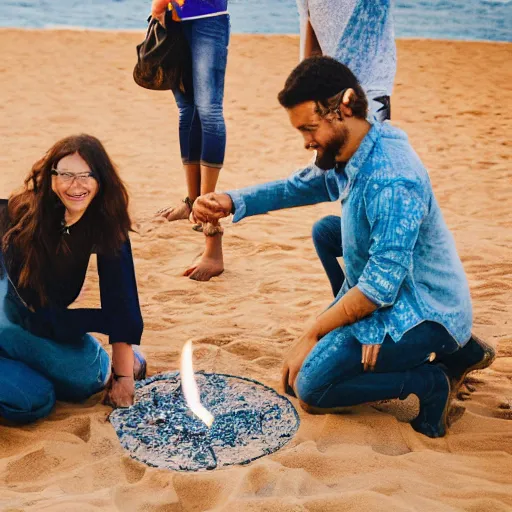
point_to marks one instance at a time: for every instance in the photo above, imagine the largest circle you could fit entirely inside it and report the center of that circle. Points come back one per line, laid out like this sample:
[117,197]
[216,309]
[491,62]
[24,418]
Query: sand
[454,100]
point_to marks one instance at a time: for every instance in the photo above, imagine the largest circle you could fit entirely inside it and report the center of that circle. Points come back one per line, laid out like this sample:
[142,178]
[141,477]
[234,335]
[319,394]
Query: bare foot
[205,269]
[211,263]
[180,212]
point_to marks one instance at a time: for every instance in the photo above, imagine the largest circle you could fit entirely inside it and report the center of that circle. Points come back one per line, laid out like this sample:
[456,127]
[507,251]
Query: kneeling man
[401,322]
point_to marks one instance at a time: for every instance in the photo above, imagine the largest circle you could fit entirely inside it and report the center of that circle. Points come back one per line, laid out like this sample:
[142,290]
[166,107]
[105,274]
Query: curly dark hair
[322,80]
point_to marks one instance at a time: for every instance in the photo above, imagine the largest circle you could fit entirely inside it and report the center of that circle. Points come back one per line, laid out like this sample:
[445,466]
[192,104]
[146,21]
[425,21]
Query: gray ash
[251,420]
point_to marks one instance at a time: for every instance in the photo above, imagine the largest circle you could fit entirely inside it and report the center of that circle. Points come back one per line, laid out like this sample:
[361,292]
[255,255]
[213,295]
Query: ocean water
[489,20]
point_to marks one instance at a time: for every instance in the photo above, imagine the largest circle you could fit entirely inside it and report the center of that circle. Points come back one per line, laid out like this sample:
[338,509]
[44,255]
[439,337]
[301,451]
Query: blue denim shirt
[397,248]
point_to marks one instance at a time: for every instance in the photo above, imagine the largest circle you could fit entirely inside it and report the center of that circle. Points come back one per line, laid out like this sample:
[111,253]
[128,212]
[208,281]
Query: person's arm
[305,187]
[119,296]
[158,7]
[311,44]
[120,303]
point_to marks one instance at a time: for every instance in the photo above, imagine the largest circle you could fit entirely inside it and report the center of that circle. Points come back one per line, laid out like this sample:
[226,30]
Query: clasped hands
[212,207]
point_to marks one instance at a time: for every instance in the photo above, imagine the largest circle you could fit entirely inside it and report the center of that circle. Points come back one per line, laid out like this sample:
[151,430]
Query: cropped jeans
[34,371]
[202,129]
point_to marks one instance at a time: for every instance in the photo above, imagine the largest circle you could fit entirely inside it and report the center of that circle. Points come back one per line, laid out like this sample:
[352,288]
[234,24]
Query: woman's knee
[25,395]
[186,113]
[87,372]
[211,116]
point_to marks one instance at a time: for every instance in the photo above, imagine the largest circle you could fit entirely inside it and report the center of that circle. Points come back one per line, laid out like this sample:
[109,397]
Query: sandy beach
[454,100]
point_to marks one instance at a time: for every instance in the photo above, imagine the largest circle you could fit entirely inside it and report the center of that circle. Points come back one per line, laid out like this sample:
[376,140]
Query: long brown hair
[36,212]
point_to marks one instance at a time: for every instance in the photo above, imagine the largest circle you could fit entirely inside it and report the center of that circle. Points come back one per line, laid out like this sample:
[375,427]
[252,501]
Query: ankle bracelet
[212,230]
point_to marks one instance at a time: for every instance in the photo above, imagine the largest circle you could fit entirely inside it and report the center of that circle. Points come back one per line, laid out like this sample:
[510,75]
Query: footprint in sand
[183,296]
[134,471]
[219,340]
[32,467]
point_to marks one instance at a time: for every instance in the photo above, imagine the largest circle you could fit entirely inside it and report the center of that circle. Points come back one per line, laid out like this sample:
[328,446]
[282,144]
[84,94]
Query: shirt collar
[359,158]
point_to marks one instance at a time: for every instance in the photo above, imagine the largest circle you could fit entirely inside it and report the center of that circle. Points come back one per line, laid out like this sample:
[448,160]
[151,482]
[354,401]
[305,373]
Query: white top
[358,33]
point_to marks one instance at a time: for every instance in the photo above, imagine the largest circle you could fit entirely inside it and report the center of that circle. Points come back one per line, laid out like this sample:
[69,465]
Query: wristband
[116,377]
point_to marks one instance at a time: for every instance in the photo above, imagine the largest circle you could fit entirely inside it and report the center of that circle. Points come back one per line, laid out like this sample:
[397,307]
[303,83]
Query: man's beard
[327,160]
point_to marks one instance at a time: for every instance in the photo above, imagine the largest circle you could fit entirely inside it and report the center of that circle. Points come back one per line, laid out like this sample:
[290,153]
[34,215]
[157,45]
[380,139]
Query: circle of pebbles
[251,420]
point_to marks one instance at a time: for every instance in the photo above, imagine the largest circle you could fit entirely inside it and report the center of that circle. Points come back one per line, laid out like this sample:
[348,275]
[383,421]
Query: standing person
[202,129]
[405,296]
[73,204]
[359,34]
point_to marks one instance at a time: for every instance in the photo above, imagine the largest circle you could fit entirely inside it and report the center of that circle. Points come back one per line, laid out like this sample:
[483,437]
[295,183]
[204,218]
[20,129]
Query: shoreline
[78,28]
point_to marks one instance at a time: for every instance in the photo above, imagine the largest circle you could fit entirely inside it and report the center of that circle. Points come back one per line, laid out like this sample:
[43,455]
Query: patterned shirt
[357,33]
[195,9]
[396,246]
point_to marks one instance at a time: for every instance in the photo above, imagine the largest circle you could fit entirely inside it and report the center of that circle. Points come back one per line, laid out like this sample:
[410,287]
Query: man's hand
[295,358]
[120,393]
[369,356]
[212,207]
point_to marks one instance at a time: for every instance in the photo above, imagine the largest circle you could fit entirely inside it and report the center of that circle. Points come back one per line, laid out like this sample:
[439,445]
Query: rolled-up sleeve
[119,296]
[305,187]
[395,214]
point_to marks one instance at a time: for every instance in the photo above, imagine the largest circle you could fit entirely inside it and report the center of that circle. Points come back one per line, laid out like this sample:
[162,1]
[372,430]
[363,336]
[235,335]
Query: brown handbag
[163,58]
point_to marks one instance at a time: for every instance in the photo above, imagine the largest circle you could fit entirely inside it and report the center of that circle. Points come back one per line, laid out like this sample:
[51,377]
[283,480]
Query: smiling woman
[75,185]
[73,204]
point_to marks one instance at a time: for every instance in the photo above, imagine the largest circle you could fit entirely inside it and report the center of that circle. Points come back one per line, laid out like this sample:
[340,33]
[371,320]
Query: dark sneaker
[434,405]
[475,355]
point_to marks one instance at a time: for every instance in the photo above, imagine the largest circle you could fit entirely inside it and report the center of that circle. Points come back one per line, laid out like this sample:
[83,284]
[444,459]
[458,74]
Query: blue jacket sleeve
[305,187]
[395,214]
[119,297]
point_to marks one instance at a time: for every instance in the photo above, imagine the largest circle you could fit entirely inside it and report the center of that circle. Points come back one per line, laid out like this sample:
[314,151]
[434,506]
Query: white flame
[189,386]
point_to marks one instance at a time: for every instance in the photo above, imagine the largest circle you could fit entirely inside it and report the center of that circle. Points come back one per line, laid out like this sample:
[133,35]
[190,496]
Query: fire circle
[251,420]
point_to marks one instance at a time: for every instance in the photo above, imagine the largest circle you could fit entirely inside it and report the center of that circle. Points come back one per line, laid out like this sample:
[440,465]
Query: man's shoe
[475,355]
[434,404]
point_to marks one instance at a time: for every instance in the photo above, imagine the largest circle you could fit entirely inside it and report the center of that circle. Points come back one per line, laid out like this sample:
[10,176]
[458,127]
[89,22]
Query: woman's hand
[158,7]
[120,392]
[212,207]
[294,359]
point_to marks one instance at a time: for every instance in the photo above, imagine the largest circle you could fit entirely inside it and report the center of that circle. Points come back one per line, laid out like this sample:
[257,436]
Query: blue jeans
[35,371]
[201,119]
[332,375]
[327,241]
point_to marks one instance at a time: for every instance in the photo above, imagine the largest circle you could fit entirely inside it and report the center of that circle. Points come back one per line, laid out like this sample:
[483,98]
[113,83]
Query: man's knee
[306,390]
[318,231]
[322,228]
